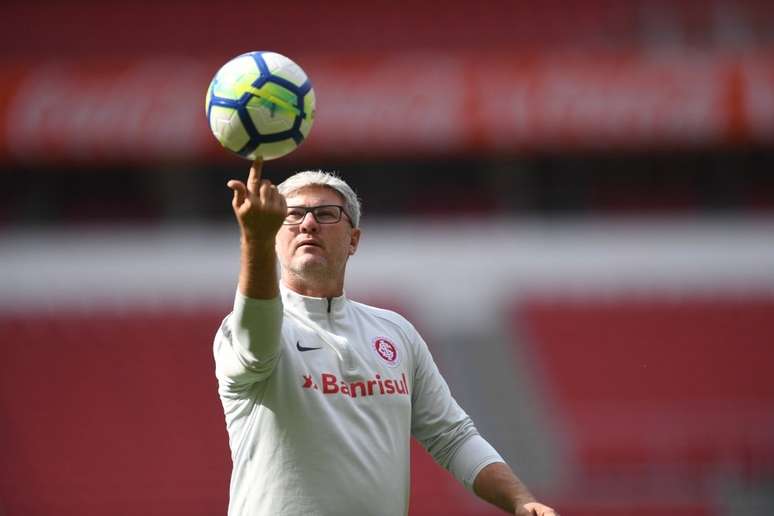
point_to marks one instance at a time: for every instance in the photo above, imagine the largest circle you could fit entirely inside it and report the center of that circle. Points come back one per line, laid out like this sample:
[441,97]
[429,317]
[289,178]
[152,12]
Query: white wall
[434,268]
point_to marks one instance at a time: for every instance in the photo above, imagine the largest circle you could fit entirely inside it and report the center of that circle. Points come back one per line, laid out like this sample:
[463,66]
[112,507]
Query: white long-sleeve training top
[321,397]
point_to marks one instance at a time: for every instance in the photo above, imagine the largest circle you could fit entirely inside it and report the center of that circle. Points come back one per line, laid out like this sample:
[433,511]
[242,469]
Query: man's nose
[309,224]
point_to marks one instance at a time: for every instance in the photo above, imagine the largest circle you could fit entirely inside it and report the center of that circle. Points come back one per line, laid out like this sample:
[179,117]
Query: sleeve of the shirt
[441,426]
[247,344]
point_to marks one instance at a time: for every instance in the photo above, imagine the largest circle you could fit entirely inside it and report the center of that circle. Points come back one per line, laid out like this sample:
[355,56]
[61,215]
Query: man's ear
[354,241]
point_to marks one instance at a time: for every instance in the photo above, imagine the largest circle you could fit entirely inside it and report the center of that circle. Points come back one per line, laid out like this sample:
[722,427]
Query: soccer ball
[260,104]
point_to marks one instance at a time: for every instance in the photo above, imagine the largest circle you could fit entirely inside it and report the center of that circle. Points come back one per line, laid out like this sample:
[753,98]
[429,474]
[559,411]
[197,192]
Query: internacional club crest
[386,350]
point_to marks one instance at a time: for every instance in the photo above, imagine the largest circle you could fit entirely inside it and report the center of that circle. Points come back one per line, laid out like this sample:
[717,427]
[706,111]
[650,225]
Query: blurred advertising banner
[397,105]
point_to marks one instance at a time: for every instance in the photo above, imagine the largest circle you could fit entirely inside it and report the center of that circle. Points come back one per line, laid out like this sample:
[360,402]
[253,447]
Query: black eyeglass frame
[312,210]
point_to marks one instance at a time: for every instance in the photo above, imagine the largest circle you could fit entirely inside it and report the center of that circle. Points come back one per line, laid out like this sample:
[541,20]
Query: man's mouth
[308,243]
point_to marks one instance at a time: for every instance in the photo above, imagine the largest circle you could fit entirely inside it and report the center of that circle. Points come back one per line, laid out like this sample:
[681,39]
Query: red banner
[397,105]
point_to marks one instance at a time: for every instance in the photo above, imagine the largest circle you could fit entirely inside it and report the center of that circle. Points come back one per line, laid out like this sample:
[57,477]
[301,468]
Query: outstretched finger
[254,179]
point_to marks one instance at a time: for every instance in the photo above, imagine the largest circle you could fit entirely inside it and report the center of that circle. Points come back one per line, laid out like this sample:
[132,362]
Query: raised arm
[259,209]
[247,345]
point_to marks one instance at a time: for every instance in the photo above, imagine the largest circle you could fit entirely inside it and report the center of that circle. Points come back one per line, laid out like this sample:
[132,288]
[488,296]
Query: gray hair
[331,180]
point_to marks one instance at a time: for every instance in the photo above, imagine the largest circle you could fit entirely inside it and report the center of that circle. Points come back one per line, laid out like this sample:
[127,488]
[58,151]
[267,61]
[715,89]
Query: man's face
[311,249]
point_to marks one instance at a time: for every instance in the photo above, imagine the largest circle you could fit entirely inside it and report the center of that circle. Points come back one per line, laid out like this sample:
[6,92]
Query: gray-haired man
[322,394]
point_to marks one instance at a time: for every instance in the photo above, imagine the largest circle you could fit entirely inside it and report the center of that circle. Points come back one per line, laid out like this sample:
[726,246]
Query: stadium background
[573,201]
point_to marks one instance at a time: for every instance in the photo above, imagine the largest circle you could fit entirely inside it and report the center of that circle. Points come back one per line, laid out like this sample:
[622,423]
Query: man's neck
[322,289]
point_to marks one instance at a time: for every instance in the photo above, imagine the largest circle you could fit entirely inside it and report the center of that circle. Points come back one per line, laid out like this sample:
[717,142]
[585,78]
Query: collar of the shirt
[312,305]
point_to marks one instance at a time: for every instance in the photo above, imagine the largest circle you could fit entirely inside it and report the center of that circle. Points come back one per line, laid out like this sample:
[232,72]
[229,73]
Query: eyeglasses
[326,214]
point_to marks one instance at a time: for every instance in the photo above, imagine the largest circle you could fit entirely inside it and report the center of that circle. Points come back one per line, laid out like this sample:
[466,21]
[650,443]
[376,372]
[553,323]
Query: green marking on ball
[272,94]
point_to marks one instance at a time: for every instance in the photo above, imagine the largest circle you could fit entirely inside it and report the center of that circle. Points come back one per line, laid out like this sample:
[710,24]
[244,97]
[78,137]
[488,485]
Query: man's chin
[309,264]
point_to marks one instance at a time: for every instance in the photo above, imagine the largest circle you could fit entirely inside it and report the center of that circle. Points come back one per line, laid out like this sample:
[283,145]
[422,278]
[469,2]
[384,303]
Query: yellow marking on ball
[260,93]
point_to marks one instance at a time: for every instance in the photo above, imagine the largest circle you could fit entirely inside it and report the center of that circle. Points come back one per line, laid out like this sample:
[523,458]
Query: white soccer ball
[260,104]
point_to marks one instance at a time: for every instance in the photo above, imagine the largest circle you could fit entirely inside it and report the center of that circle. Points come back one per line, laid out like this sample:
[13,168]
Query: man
[322,394]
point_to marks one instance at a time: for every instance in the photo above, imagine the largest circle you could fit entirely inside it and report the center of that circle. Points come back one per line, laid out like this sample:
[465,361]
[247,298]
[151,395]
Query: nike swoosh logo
[303,348]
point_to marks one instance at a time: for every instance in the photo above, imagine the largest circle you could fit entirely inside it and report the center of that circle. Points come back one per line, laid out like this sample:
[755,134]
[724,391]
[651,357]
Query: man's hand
[258,206]
[259,209]
[535,509]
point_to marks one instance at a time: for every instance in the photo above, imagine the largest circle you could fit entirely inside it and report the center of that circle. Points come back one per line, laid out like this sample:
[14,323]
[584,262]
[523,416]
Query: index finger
[254,179]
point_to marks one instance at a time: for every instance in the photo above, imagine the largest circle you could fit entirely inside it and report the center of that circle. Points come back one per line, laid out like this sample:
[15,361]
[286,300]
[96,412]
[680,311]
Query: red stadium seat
[679,384]
[111,414]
